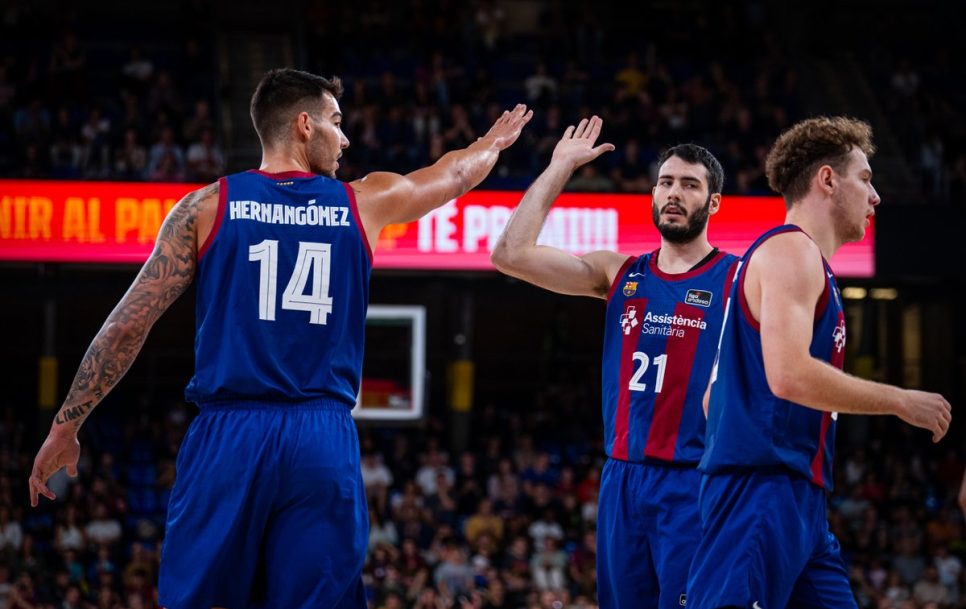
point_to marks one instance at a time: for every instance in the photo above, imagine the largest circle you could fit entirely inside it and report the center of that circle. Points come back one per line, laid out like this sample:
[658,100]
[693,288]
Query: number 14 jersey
[660,336]
[282,292]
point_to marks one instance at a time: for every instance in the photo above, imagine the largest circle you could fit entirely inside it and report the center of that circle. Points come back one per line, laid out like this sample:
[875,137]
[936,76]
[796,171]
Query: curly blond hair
[806,146]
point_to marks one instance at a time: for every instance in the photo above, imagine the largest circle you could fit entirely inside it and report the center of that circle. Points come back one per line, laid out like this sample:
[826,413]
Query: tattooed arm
[165,276]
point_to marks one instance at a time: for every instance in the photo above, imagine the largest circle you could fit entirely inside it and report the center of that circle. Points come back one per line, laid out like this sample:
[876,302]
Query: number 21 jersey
[661,332]
[282,292]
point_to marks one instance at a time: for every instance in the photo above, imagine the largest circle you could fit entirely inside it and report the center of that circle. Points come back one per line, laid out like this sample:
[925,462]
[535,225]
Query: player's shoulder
[787,247]
[789,259]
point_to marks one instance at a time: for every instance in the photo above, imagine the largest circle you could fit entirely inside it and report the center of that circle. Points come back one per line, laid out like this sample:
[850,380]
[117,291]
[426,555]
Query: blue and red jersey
[660,335]
[283,287]
[748,426]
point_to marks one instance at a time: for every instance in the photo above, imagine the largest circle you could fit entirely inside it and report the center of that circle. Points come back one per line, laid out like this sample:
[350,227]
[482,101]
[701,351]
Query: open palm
[576,147]
[507,128]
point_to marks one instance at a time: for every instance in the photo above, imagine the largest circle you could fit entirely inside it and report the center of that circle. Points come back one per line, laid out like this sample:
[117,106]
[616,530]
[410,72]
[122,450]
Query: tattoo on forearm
[166,275]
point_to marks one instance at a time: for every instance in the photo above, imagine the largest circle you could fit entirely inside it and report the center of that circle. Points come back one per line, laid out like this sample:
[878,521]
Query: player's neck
[681,257]
[821,229]
[281,161]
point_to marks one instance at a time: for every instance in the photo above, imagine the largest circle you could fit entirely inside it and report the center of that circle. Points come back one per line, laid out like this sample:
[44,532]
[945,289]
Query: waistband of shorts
[651,462]
[774,470]
[280,406]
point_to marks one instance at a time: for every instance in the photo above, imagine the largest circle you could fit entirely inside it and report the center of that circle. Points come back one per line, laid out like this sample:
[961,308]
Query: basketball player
[269,507]
[777,386]
[663,319]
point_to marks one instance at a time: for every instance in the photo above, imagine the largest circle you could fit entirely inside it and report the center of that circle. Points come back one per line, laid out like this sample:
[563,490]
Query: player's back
[283,286]
[749,427]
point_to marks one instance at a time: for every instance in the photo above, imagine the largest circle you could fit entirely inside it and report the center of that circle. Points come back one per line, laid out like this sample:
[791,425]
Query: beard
[675,233]
[316,151]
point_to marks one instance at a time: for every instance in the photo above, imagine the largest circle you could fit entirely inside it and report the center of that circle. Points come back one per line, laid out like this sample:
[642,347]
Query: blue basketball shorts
[268,510]
[766,545]
[648,527]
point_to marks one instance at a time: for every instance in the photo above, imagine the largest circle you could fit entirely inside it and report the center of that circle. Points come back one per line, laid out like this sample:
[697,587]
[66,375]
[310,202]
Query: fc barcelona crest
[630,288]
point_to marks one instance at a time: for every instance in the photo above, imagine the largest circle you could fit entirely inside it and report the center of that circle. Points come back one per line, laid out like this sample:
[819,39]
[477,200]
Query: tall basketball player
[269,508]
[664,313]
[778,384]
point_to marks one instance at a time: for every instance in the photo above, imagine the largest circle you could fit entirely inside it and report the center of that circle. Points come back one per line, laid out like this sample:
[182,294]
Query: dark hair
[279,92]
[808,145]
[694,154]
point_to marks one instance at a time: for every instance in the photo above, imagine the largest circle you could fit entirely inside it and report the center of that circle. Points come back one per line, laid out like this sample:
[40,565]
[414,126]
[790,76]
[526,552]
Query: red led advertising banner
[117,222]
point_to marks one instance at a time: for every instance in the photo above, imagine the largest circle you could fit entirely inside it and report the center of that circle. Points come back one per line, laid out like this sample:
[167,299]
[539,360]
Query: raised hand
[576,147]
[507,128]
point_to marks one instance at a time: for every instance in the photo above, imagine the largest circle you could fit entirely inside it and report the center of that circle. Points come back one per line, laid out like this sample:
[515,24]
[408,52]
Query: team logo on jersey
[838,335]
[683,600]
[702,298]
[629,319]
[630,288]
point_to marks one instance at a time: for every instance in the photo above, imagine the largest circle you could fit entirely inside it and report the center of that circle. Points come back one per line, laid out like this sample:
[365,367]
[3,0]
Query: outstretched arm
[165,276]
[517,253]
[389,198]
[784,281]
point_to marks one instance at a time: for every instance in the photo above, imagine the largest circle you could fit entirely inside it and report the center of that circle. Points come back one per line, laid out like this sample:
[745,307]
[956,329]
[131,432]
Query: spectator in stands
[453,576]
[929,590]
[199,122]
[68,533]
[166,160]
[548,566]
[11,534]
[205,160]
[377,478]
[484,522]
[103,529]
[131,159]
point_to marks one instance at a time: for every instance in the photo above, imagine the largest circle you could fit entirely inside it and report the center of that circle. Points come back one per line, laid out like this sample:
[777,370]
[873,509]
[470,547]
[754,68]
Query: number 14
[314,259]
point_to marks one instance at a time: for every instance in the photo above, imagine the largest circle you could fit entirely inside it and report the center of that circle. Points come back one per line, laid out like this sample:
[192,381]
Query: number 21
[660,361]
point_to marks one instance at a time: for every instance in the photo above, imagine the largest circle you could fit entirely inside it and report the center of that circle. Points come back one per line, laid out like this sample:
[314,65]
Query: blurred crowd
[83,108]
[506,521]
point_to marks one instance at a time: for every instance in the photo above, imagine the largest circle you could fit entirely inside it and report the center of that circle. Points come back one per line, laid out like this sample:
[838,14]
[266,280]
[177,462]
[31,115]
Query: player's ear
[303,126]
[825,178]
[714,204]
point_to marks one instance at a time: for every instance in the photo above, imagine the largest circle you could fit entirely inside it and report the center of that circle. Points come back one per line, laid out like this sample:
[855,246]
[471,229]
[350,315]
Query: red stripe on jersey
[620,275]
[818,462]
[743,301]
[631,322]
[729,280]
[822,303]
[354,206]
[219,217]
[837,360]
[669,403]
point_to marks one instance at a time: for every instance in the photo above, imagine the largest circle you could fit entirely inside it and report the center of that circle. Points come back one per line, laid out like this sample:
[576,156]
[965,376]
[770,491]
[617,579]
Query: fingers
[569,132]
[72,470]
[37,487]
[519,111]
[594,131]
[941,421]
[599,150]
[588,129]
